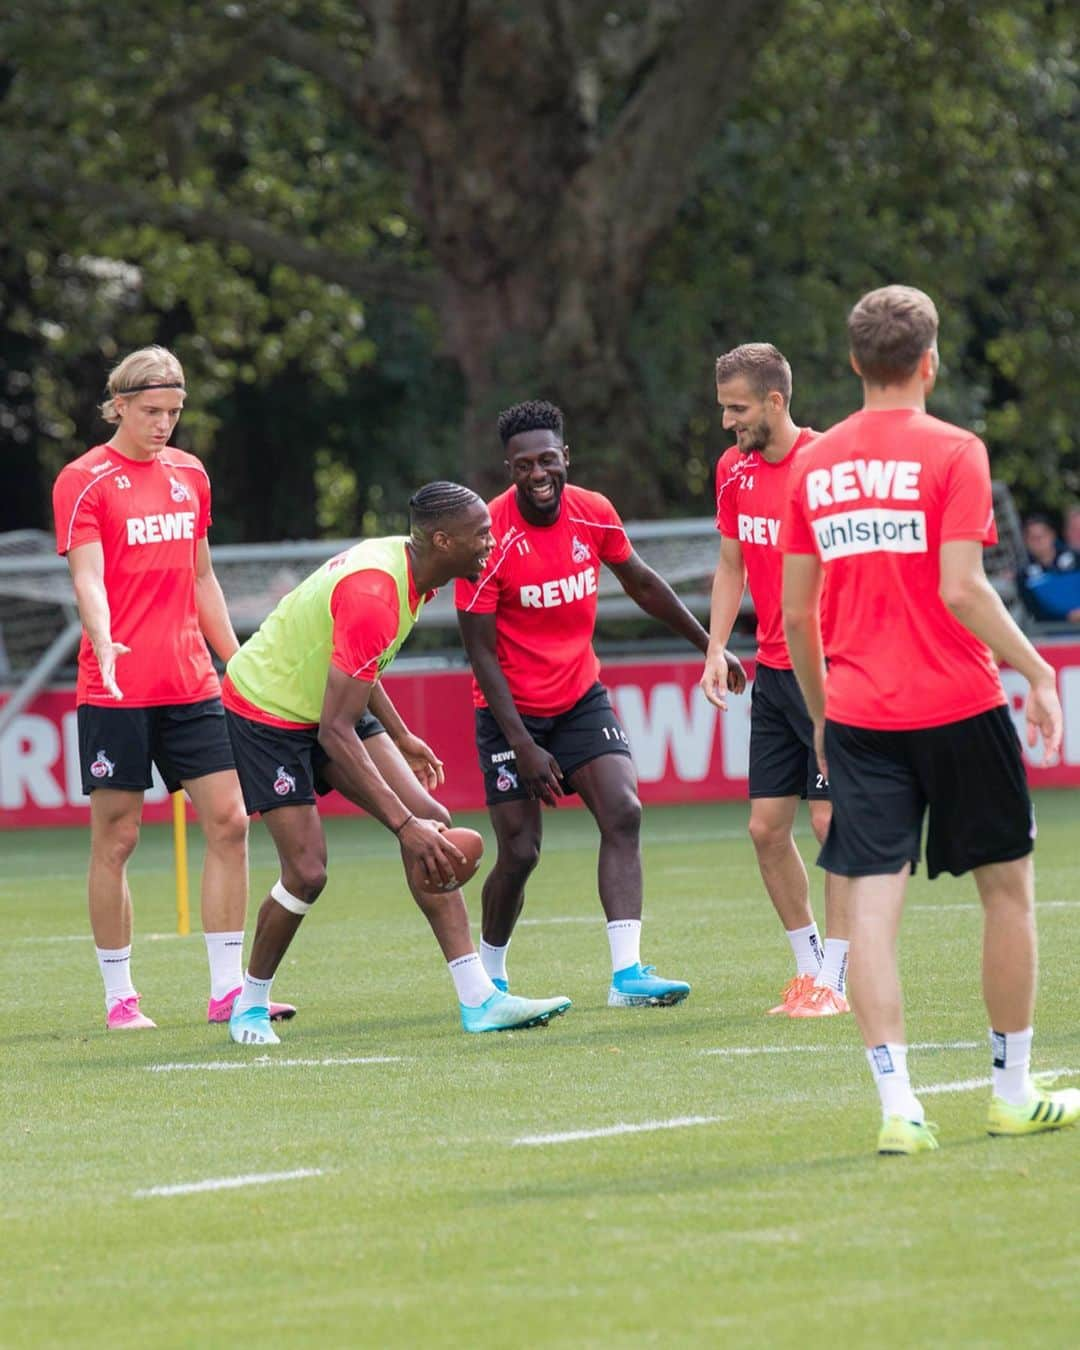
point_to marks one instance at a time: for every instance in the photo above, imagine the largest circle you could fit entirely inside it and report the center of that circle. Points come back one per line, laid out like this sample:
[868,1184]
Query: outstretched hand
[106,654]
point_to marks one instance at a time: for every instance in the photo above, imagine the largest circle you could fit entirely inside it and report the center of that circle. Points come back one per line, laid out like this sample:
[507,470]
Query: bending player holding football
[302,700]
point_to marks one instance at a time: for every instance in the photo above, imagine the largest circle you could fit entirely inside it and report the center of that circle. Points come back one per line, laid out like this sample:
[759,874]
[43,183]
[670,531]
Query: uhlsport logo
[177,491]
[102,766]
[873,529]
[579,552]
[284,783]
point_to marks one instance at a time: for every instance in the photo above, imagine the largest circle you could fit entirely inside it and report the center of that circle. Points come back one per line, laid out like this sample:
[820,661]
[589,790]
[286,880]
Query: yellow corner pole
[183,911]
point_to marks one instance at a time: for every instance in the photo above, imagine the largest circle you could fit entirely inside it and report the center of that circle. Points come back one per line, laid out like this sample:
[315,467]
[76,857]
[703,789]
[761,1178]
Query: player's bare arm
[87,566]
[344,703]
[419,756]
[538,772]
[651,593]
[729,583]
[214,621]
[969,597]
[803,576]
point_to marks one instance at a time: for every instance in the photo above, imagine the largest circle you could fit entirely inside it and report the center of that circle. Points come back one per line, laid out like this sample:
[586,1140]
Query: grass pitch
[431,1204]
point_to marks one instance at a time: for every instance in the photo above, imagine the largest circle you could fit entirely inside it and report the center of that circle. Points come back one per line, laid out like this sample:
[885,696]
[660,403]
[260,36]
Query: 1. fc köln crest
[102,767]
[579,551]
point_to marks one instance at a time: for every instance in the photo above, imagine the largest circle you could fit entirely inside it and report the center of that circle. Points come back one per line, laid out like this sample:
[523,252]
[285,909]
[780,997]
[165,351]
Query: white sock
[806,944]
[471,980]
[888,1064]
[225,951]
[833,970]
[624,937]
[1012,1066]
[494,959]
[115,966]
[254,994]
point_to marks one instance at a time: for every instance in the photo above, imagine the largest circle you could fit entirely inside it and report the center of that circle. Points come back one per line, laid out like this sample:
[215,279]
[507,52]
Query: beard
[753,438]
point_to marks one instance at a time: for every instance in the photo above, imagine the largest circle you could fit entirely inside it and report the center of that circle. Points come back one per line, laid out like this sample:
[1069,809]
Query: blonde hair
[889,329]
[147,367]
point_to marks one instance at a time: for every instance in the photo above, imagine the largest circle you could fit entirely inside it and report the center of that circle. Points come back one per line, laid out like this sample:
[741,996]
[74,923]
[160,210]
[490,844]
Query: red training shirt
[751,494]
[875,498]
[541,584]
[148,516]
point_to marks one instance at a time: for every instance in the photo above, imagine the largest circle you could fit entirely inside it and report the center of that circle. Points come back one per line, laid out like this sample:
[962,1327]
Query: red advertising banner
[684,750]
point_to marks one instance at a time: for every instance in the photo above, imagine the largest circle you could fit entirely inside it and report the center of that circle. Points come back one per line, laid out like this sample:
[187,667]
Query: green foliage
[932,142]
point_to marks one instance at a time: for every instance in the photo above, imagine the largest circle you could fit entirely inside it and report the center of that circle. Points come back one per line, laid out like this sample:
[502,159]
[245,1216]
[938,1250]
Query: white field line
[555,919]
[969,1084]
[267,1062]
[735,1050]
[230,1183]
[966,904]
[566,918]
[643,1127]
[87,937]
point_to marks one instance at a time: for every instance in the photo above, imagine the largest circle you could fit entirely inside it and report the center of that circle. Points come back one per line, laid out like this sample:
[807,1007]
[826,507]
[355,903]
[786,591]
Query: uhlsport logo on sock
[883,1060]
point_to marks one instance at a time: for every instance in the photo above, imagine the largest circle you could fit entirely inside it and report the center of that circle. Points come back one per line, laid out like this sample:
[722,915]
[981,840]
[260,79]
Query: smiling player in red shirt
[131,518]
[753,387]
[544,723]
[894,508]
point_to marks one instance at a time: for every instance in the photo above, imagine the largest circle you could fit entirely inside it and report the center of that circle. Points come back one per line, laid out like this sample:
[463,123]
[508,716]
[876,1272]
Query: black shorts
[282,767]
[119,746]
[782,759]
[969,774]
[575,737]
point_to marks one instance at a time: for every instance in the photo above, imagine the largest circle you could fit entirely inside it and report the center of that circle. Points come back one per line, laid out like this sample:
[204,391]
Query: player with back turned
[544,723]
[894,507]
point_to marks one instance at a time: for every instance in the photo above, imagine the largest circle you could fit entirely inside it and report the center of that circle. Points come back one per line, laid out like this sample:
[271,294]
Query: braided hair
[436,502]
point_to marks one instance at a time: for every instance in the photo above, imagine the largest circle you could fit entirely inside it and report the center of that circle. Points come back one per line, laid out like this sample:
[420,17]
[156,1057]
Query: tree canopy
[365,227]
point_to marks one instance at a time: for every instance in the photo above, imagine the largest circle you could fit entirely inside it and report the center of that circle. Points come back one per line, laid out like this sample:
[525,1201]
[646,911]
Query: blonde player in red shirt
[893,507]
[753,388]
[132,518]
[544,723]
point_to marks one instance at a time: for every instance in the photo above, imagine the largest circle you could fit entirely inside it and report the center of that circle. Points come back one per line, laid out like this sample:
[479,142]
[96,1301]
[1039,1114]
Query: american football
[471,844]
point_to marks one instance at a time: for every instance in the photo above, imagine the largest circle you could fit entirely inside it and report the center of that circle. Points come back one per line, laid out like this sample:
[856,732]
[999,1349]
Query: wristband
[405,822]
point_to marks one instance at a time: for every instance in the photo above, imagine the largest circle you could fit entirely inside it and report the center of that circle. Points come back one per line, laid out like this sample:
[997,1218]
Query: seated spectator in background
[1051,582]
[1068,560]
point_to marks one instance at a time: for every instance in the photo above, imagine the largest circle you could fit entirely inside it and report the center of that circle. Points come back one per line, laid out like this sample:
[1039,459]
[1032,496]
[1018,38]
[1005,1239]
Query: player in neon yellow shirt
[299,698]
